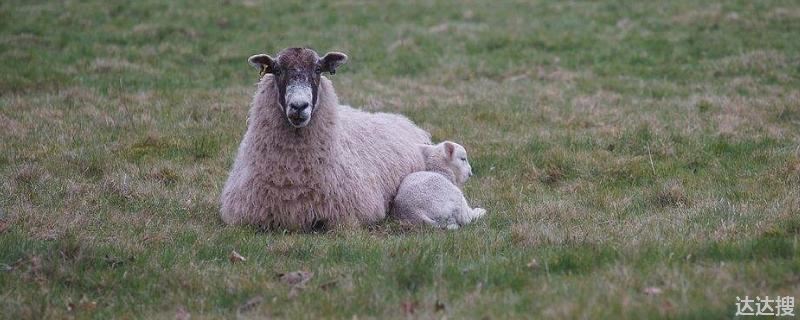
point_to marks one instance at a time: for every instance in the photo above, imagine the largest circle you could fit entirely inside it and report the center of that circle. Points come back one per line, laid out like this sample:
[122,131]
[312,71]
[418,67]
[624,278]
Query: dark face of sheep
[297,74]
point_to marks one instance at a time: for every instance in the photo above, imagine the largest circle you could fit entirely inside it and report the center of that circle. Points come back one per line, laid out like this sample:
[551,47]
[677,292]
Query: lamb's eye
[318,70]
[463,159]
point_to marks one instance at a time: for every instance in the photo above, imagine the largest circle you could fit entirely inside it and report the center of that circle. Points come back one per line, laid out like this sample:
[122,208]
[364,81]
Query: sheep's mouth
[298,121]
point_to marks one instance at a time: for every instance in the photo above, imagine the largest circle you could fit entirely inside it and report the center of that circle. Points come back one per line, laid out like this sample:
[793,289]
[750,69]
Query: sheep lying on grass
[434,196]
[307,162]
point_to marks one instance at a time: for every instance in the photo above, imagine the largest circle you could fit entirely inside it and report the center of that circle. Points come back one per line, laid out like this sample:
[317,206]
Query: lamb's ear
[426,149]
[449,149]
[264,63]
[332,60]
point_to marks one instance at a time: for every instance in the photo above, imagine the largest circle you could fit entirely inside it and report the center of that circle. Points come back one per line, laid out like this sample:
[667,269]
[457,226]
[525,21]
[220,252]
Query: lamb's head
[297,73]
[449,156]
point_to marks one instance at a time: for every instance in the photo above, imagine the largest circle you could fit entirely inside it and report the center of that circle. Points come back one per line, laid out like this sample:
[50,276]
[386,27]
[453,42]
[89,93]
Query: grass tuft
[672,194]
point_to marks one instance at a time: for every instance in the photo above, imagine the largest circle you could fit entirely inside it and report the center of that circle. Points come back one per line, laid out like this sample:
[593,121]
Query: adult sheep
[307,162]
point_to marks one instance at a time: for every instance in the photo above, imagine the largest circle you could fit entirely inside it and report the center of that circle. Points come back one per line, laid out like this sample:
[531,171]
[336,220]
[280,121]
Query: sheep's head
[297,73]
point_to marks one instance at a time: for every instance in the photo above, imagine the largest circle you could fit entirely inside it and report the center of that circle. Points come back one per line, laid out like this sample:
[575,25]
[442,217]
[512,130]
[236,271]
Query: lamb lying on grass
[434,196]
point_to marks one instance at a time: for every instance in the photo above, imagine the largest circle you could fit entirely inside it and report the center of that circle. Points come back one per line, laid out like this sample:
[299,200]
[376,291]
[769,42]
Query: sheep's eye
[277,71]
[463,159]
[318,70]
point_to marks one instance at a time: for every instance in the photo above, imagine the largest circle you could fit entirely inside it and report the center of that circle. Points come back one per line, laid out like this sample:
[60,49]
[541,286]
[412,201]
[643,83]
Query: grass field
[637,159]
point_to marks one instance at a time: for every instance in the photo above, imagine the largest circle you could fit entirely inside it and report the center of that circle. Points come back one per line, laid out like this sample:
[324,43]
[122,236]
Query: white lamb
[307,162]
[434,196]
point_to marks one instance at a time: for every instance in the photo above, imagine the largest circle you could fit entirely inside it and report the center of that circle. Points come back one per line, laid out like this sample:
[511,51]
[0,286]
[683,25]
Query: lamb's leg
[423,217]
[478,212]
[449,223]
[467,214]
[415,217]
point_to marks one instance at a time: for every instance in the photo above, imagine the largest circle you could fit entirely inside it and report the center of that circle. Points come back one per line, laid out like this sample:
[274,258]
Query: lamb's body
[344,168]
[433,196]
[429,197]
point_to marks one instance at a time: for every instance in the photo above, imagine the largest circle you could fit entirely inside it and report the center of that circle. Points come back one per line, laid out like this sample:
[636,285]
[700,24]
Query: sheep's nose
[298,106]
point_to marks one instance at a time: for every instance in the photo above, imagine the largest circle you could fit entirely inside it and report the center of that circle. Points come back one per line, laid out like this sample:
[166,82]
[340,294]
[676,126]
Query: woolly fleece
[344,168]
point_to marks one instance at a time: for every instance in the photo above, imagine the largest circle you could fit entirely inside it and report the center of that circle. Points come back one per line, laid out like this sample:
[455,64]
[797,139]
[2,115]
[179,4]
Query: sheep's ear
[332,60]
[449,149]
[264,63]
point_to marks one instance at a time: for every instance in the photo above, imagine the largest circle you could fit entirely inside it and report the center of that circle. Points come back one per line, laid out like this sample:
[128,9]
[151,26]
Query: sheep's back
[381,149]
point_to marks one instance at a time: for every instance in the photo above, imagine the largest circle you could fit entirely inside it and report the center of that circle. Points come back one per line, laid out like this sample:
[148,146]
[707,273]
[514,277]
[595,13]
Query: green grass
[618,146]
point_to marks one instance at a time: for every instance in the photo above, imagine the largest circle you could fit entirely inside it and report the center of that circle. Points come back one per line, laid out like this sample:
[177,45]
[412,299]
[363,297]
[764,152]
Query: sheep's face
[297,73]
